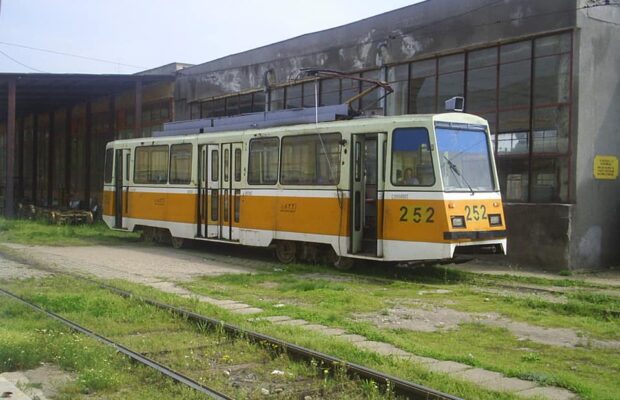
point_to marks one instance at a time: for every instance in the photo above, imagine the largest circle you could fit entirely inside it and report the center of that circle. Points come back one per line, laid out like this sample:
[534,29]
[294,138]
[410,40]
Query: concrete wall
[408,33]
[595,236]
[539,235]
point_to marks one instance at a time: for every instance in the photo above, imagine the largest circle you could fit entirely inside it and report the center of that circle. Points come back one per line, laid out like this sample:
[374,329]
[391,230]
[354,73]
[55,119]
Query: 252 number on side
[417,214]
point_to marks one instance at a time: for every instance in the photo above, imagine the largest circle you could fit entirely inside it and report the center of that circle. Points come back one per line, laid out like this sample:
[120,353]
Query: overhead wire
[20,63]
[62,53]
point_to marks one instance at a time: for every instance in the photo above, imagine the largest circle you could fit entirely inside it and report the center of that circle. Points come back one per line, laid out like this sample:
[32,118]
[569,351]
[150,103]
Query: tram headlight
[495,219]
[458,221]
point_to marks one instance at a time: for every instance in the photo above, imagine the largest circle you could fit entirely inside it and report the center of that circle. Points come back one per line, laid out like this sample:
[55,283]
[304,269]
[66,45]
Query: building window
[330,92]
[398,78]
[422,87]
[293,96]
[450,79]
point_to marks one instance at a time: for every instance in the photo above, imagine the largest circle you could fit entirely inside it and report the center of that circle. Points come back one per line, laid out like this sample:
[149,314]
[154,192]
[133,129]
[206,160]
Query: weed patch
[41,233]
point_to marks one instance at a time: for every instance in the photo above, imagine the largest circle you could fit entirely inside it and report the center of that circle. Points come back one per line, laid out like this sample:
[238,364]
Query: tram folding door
[367,185]
[209,191]
[230,190]
[121,187]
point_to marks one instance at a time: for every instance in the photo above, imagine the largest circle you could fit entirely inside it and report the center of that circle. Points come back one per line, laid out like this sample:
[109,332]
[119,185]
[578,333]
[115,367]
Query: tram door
[209,200]
[230,190]
[367,183]
[121,187]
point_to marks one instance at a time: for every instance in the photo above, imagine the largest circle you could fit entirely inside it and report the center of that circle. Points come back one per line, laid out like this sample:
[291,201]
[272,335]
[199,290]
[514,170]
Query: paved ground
[610,276]
[161,267]
[137,263]
[40,383]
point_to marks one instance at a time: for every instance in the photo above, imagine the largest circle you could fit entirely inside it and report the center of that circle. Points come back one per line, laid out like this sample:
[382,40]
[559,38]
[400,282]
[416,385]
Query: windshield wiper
[455,171]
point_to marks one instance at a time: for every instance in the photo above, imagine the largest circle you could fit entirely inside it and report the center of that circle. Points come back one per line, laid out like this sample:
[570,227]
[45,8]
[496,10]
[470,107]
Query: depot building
[544,74]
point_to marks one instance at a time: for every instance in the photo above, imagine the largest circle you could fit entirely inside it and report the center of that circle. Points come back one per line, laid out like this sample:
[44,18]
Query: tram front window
[465,160]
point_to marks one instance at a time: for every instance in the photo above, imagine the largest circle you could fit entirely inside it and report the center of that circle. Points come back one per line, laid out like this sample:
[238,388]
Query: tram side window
[181,163]
[151,164]
[311,160]
[109,159]
[411,158]
[263,161]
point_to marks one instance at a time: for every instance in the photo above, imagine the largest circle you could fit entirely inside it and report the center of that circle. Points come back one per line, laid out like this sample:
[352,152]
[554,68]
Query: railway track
[327,363]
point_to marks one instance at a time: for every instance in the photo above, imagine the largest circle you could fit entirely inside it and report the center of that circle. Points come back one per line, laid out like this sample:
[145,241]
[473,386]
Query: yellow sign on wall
[606,167]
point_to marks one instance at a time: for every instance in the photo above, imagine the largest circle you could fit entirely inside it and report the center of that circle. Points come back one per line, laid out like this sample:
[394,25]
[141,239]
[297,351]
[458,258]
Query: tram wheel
[286,251]
[177,242]
[148,234]
[340,263]
[344,263]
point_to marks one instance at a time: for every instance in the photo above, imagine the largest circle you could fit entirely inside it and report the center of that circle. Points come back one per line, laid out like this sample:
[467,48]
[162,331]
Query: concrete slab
[248,311]
[292,322]
[315,327]
[448,367]
[275,318]
[234,306]
[418,359]
[384,349]
[333,332]
[8,390]
[477,375]
[509,384]
[325,330]
[353,338]
[547,392]
[220,303]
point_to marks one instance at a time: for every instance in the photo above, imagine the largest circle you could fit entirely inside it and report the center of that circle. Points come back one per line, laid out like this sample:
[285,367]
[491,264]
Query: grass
[332,299]
[27,340]
[40,233]
[321,295]
[233,366]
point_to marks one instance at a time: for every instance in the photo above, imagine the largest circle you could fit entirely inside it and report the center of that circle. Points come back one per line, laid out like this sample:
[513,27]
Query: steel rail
[124,350]
[399,386]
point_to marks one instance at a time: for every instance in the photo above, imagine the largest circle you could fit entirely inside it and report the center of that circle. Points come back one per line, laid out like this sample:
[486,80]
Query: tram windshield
[465,159]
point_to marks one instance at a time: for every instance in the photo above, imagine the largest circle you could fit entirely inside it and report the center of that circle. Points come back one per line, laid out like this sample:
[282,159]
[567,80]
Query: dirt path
[137,263]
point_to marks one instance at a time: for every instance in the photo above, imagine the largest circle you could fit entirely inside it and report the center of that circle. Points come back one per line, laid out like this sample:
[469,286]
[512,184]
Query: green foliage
[39,232]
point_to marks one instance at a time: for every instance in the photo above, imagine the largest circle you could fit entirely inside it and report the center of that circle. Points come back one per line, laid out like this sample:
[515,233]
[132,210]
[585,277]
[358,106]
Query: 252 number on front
[417,214]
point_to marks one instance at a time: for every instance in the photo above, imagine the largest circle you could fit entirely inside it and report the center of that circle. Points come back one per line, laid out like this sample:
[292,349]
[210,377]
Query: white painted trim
[447,196]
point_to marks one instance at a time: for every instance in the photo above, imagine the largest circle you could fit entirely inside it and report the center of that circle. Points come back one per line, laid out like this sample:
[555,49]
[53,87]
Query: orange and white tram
[402,188]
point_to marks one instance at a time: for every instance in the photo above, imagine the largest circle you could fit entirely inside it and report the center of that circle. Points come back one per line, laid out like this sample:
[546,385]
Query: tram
[393,189]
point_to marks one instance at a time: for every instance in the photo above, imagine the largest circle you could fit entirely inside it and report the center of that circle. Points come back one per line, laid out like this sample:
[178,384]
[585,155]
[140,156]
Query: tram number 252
[417,214]
[476,213]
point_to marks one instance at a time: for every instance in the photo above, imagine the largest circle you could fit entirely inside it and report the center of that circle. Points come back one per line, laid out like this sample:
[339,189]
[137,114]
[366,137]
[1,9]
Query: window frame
[137,150]
[277,176]
[430,151]
[191,160]
[315,183]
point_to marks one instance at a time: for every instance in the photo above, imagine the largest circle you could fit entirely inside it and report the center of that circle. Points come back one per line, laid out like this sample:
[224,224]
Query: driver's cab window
[411,158]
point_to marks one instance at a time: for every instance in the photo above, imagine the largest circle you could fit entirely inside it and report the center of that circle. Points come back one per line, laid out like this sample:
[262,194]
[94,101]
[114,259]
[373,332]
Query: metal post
[111,135]
[19,185]
[50,159]
[138,110]
[35,156]
[68,125]
[9,193]
[88,136]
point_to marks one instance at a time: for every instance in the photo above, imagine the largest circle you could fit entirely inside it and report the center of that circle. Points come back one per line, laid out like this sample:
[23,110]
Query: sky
[134,35]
